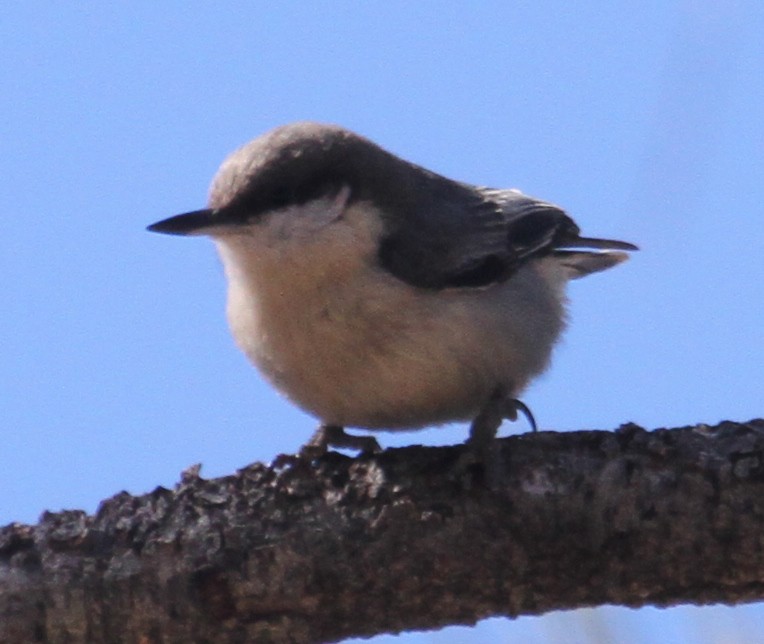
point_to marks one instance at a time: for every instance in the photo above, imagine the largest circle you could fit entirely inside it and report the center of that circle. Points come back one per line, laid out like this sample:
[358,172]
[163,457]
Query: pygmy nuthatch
[380,295]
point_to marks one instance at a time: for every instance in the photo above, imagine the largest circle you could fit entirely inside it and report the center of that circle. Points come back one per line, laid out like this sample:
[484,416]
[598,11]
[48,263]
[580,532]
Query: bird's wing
[473,237]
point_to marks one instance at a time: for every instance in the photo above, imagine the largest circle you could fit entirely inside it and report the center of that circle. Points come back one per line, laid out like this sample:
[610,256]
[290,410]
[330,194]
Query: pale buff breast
[354,346]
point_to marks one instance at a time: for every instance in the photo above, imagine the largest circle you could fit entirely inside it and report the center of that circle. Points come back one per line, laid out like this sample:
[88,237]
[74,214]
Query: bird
[378,295]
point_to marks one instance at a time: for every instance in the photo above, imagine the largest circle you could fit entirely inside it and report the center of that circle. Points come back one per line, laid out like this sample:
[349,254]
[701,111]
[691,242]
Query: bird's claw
[327,436]
[497,409]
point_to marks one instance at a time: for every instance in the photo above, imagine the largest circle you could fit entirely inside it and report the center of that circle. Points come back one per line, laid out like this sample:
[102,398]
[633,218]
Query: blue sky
[642,119]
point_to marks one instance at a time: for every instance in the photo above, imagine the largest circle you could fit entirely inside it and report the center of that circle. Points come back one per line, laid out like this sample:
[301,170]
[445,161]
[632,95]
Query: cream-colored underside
[354,346]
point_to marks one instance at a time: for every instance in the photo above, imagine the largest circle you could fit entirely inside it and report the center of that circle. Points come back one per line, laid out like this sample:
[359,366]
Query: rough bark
[411,538]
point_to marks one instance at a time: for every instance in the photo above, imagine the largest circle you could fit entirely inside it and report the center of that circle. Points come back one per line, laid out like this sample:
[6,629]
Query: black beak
[188,223]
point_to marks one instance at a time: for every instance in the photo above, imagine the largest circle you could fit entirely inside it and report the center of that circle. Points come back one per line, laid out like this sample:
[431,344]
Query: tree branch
[407,539]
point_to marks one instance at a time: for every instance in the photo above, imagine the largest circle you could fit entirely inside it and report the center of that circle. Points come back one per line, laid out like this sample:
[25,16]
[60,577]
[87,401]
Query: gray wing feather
[470,237]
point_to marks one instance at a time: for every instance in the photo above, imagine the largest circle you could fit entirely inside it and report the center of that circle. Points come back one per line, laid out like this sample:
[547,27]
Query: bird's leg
[483,433]
[327,436]
[498,408]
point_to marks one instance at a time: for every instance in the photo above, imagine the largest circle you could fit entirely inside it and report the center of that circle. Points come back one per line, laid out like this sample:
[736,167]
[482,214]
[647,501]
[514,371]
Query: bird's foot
[497,409]
[483,431]
[327,436]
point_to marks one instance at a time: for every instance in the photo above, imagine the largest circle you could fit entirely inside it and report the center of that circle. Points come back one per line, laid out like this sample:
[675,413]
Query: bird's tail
[579,263]
[595,242]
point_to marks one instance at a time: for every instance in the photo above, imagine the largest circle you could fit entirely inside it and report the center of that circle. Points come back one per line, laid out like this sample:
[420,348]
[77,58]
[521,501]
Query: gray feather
[463,236]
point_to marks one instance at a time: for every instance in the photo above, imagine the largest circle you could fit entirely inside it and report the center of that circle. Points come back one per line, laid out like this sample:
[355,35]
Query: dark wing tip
[595,242]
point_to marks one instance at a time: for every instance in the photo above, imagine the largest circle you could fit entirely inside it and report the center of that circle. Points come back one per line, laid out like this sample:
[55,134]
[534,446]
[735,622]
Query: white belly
[356,347]
[387,356]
